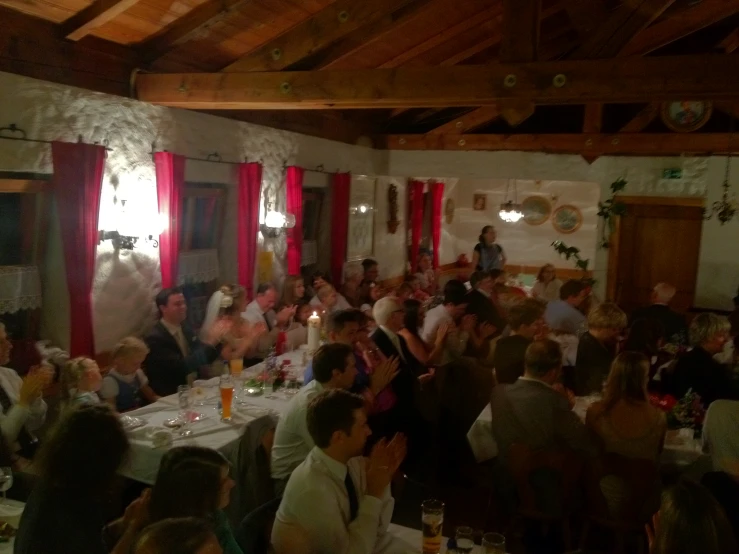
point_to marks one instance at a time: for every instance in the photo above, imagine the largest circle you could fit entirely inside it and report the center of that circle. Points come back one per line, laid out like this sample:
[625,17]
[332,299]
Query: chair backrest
[524,461]
[637,481]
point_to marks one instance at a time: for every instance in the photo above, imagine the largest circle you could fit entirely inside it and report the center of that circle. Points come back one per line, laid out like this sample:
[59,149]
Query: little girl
[126,387]
[80,380]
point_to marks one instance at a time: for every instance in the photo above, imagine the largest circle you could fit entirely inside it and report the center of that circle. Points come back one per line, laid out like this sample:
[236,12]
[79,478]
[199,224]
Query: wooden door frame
[615,237]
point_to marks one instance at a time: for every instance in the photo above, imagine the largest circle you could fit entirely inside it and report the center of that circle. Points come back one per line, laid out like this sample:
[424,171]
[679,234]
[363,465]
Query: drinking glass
[291,382]
[227,393]
[6,480]
[465,539]
[237,366]
[184,399]
[432,519]
[493,543]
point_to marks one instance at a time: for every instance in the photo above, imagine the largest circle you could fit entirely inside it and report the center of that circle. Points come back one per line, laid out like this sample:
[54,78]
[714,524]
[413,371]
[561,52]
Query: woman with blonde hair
[547,285]
[597,347]
[126,386]
[80,380]
[624,421]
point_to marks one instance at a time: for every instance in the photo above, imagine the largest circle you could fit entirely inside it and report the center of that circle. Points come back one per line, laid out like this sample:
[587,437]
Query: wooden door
[657,240]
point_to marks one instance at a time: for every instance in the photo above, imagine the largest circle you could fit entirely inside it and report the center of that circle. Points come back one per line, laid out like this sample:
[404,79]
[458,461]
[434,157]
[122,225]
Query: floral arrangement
[687,412]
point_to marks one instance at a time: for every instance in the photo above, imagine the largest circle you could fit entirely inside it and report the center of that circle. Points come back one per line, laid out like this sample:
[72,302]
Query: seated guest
[624,421]
[449,311]
[672,322]
[351,288]
[23,408]
[404,291]
[647,336]
[547,285]
[562,315]
[417,291]
[175,352]
[228,301]
[80,381]
[597,348]
[183,535]
[293,292]
[427,277]
[721,442]
[690,520]
[321,280]
[261,310]
[526,321]
[194,481]
[532,412]
[333,367]
[329,299]
[371,272]
[415,315]
[335,499]
[697,370]
[78,466]
[126,386]
[480,301]
[373,294]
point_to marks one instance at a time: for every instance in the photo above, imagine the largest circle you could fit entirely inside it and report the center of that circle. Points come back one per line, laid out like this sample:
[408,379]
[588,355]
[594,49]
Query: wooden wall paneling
[93,16]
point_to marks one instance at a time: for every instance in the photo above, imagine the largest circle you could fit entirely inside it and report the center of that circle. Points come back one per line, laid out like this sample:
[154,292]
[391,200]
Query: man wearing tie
[175,352]
[261,310]
[337,501]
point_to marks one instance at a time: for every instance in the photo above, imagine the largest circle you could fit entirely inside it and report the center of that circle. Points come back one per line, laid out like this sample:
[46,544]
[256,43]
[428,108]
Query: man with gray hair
[659,310]
[698,370]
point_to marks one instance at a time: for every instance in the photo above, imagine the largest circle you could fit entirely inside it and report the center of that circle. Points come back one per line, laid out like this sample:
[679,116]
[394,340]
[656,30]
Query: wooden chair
[523,461]
[639,479]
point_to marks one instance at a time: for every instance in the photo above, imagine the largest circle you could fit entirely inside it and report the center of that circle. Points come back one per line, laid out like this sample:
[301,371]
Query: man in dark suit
[480,301]
[672,322]
[174,350]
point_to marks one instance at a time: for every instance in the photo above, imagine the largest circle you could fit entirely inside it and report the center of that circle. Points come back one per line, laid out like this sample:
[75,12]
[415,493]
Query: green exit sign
[672,173]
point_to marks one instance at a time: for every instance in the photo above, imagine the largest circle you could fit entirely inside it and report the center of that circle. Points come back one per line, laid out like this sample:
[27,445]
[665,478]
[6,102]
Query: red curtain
[78,179]
[339,224]
[250,187]
[437,195]
[170,169]
[416,210]
[294,180]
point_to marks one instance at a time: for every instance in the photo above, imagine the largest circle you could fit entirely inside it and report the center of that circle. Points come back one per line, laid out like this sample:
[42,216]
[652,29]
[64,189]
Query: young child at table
[126,387]
[80,380]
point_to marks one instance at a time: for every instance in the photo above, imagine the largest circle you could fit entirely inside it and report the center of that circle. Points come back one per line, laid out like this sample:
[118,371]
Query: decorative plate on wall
[567,219]
[685,117]
[536,210]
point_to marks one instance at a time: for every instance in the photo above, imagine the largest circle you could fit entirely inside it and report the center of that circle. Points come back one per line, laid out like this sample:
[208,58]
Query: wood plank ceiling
[415,74]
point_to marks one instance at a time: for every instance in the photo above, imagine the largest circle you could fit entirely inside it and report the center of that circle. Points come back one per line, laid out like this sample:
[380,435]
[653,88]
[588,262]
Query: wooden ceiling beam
[588,145]
[683,23]
[593,118]
[468,122]
[639,122]
[332,23]
[730,108]
[627,21]
[615,80]
[190,26]
[447,34]
[93,16]
[731,42]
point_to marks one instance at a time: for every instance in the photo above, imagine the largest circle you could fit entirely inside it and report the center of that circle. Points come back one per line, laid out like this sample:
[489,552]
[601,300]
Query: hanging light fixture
[275,222]
[510,210]
[726,208]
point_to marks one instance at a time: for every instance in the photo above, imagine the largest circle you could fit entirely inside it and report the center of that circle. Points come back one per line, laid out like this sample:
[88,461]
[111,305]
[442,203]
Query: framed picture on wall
[567,219]
[536,210]
[361,231]
[479,202]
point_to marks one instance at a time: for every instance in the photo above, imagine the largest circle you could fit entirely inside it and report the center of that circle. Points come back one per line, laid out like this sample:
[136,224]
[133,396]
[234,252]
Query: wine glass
[6,480]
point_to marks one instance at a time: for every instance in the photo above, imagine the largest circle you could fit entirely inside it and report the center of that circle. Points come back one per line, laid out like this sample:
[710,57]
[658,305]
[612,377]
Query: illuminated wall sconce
[128,233]
[275,222]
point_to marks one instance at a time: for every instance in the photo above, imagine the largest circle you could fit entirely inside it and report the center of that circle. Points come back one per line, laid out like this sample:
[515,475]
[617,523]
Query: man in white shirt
[333,368]
[23,408]
[337,501]
[261,310]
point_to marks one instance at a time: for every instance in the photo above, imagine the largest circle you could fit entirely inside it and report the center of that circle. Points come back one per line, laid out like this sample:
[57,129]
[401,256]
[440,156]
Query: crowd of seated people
[403,373]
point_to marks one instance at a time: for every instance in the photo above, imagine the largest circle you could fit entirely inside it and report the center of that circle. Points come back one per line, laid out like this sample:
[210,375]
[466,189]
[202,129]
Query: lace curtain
[20,288]
[198,266]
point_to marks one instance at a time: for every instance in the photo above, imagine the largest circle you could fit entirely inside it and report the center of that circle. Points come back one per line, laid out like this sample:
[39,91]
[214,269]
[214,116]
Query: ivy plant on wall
[609,209]
[573,253]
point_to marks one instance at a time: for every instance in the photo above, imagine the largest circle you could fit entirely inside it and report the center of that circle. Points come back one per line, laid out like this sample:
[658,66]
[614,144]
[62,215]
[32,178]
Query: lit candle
[314,333]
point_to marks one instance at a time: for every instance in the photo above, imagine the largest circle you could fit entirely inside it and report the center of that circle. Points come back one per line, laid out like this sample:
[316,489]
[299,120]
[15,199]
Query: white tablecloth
[412,537]
[211,432]
[680,447]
